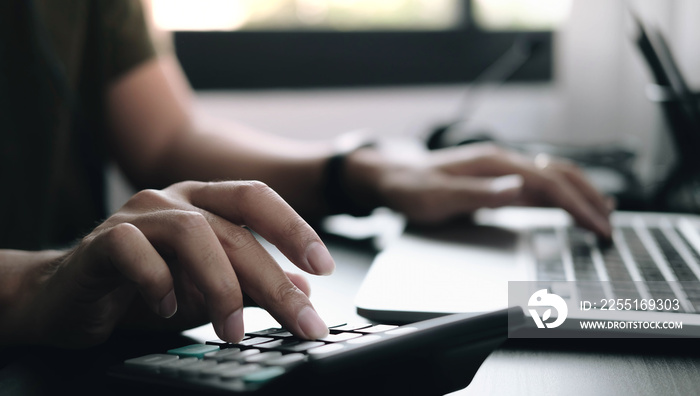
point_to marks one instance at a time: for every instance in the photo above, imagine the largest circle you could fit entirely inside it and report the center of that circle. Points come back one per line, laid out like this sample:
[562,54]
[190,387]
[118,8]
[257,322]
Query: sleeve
[126,38]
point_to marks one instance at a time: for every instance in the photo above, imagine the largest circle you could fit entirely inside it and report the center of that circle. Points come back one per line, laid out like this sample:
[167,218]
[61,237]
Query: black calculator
[435,356]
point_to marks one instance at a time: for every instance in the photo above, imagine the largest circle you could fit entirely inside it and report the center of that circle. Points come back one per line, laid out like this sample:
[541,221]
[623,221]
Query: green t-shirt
[56,60]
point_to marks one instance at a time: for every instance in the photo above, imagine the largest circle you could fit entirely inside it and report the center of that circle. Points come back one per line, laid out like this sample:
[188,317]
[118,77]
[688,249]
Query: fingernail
[509,182]
[320,259]
[311,324]
[233,326]
[168,305]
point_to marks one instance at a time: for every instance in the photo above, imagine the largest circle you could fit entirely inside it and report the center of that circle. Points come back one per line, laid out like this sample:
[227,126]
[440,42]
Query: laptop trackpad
[462,268]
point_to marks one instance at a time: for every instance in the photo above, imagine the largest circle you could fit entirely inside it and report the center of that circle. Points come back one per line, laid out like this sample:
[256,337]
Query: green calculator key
[194,350]
[263,375]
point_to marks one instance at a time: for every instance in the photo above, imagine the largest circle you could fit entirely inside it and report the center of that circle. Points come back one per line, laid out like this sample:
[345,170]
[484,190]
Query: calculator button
[328,348]
[276,332]
[375,329]
[340,337]
[218,369]
[172,368]
[283,334]
[195,350]
[241,356]
[194,369]
[278,343]
[221,354]
[237,372]
[223,344]
[364,339]
[266,332]
[302,346]
[351,327]
[254,341]
[286,360]
[150,362]
[262,357]
[219,343]
[263,375]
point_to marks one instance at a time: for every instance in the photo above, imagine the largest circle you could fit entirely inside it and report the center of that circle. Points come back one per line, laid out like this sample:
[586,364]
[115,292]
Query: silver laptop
[654,258]
[466,267]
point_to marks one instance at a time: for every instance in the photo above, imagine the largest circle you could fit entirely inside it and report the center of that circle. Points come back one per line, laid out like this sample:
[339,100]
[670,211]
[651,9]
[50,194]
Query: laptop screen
[679,103]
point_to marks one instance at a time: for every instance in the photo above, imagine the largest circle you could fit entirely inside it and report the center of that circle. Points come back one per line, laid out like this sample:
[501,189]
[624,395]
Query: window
[523,15]
[310,43]
[329,15]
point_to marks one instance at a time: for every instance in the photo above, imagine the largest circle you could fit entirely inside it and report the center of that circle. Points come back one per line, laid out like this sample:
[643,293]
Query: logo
[541,298]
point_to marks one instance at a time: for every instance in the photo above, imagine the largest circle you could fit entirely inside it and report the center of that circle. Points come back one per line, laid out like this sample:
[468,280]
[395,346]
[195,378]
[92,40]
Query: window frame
[302,59]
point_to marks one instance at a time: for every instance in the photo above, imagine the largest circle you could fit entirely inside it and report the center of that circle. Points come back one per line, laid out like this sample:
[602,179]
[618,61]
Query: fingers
[126,250]
[266,283]
[190,238]
[547,181]
[300,281]
[602,204]
[571,190]
[224,259]
[260,208]
[161,238]
[273,290]
[566,196]
[566,189]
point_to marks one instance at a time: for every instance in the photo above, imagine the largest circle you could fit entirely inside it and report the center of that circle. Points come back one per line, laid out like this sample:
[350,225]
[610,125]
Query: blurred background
[319,68]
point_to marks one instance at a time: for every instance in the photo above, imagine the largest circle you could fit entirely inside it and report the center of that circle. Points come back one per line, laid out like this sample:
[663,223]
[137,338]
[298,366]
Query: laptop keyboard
[660,259]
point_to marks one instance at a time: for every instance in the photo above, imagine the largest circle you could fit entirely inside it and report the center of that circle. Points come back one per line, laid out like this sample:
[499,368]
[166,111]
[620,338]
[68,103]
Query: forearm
[21,273]
[157,140]
[294,169]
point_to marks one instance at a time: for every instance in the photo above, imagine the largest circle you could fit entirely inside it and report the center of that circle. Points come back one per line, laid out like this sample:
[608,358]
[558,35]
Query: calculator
[435,356]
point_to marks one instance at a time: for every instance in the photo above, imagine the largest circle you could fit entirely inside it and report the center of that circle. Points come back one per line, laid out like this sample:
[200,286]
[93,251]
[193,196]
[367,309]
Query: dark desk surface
[630,367]
[545,367]
[548,367]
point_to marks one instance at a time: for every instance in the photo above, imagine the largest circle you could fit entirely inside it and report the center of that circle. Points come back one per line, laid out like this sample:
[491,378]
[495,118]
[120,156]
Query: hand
[185,251]
[455,181]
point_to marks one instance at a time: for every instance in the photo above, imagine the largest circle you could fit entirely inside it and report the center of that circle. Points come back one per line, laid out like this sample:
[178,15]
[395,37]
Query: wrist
[368,175]
[346,182]
[22,276]
[374,175]
[362,174]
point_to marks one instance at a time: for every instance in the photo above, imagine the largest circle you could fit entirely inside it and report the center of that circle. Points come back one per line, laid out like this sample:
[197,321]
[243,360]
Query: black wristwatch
[335,191]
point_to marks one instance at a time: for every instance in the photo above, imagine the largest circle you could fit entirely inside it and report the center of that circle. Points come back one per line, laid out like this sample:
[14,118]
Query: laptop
[476,265]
